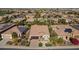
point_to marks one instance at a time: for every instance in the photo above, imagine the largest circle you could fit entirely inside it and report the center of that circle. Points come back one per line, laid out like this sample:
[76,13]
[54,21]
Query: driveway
[3,42]
[34,43]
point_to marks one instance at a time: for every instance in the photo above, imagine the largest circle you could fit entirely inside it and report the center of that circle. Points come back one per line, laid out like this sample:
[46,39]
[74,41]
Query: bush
[0,39]
[60,41]
[14,35]
[40,44]
[19,40]
[9,42]
[48,44]
[28,44]
[25,43]
[57,41]
[53,38]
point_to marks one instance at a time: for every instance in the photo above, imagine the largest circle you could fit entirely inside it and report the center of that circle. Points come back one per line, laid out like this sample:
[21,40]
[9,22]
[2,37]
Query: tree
[60,41]
[56,41]
[53,38]
[17,23]
[9,42]
[15,38]
[37,15]
[6,19]
[48,44]
[0,38]
[14,35]
[29,11]
[52,33]
[50,29]
[52,22]
[62,21]
[25,43]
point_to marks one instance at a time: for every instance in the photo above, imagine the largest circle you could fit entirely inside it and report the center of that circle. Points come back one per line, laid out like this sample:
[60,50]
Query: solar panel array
[4,27]
[76,26]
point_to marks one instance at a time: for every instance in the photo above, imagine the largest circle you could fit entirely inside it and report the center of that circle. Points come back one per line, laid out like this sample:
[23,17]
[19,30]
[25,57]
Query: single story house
[1,18]
[7,33]
[39,32]
[65,31]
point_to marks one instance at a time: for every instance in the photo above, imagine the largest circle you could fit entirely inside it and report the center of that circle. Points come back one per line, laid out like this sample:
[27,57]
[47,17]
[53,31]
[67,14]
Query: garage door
[34,37]
[6,36]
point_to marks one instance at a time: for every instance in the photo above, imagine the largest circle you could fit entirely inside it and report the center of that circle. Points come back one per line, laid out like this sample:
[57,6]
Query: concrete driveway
[3,42]
[34,43]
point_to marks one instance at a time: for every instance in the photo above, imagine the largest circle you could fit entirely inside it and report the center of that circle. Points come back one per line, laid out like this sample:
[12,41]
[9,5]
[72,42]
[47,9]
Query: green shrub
[28,43]
[56,41]
[25,43]
[48,44]
[14,35]
[9,42]
[40,44]
[0,39]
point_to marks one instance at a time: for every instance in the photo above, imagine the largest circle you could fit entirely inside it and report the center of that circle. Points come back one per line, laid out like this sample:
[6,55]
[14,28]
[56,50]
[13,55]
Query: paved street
[3,42]
[40,48]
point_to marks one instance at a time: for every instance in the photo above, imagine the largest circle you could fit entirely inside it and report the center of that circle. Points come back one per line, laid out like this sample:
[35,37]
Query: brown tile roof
[14,29]
[59,29]
[39,30]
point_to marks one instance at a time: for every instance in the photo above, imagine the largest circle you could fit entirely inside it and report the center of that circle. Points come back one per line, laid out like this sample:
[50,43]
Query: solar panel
[4,27]
[22,29]
[69,30]
[76,26]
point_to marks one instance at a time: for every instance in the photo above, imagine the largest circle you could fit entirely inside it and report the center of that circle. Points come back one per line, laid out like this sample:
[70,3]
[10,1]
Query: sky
[39,3]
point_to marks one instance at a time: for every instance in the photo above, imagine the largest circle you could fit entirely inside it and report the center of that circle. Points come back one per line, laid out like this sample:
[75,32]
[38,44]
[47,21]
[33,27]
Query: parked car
[74,41]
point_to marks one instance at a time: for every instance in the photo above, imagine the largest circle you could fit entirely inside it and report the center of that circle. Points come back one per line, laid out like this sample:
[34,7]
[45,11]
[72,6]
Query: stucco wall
[6,36]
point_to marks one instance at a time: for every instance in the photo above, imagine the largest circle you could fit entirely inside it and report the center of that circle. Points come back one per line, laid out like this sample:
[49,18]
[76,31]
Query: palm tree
[17,22]
[15,37]
[60,41]
[37,15]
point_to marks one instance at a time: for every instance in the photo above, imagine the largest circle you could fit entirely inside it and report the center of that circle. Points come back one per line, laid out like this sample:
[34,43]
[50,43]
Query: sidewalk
[40,48]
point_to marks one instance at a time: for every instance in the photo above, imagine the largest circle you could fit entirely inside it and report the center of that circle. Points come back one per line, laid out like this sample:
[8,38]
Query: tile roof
[17,29]
[39,30]
[4,27]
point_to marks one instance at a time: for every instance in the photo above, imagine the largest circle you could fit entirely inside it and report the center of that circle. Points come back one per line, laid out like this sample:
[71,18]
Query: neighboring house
[39,32]
[68,20]
[6,26]
[76,31]
[7,34]
[1,18]
[59,30]
[65,31]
